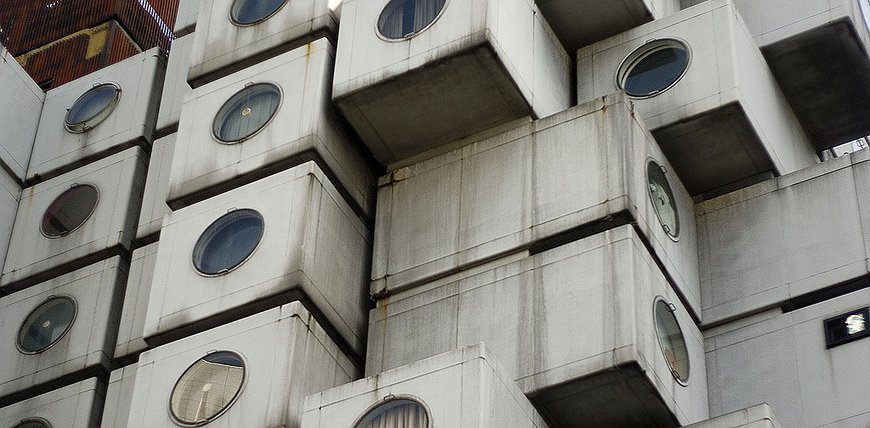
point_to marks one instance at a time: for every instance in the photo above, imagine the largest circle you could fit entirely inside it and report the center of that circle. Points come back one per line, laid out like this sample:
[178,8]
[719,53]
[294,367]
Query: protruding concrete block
[185,19]
[760,416]
[75,219]
[532,185]
[10,193]
[480,63]
[131,122]
[312,247]
[119,397]
[59,327]
[222,46]
[782,238]
[131,327]
[574,326]
[461,388]
[723,123]
[73,406]
[304,126]
[19,122]
[581,23]
[781,359]
[154,205]
[286,354]
[175,86]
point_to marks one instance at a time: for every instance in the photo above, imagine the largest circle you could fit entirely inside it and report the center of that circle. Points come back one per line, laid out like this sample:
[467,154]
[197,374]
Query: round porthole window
[671,340]
[663,199]
[397,412]
[46,324]
[93,107]
[207,388]
[246,113]
[69,210]
[228,242]
[402,19]
[653,68]
[33,423]
[248,12]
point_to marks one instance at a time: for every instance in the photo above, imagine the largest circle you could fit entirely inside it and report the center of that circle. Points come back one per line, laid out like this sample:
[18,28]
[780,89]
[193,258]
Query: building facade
[418,213]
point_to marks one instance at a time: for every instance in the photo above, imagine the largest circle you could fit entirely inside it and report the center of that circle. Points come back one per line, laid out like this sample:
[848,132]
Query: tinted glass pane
[228,241]
[246,112]
[671,341]
[401,18]
[663,199]
[396,413]
[251,11]
[46,324]
[207,388]
[32,423]
[656,70]
[69,211]
[92,107]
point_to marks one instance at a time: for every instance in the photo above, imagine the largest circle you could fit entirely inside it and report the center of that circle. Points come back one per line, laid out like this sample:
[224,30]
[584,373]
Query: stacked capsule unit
[418,213]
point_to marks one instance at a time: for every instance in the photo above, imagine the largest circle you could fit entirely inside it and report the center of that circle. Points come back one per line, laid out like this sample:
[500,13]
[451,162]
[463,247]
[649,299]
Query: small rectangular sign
[847,327]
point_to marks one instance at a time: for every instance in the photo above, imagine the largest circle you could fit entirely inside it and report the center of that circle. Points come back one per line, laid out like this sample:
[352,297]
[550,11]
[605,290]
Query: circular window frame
[245,260]
[391,397]
[411,35]
[275,85]
[87,217]
[45,423]
[59,338]
[641,52]
[100,117]
[229,404]
[672,308]
[257,22]
[674,236]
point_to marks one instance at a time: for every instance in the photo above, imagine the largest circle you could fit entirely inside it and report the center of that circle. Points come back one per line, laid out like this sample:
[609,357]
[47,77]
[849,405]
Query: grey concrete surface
[581,23]
[726,119]
[781,359]
[185,20]
[73,406]
[109,230]
[481,63]
[221,47]
[573,326]
[20,123]
[305,126]
[89,343]
[760,416]
[312,244]
[57,150]
[154,205]
[568,170]
[119,397]
[785,237]
[132,322]
[287,356]
[175,86]
[462,388]
[10,193]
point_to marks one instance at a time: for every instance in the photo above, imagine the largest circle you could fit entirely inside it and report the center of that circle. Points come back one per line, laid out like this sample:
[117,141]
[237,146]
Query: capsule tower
[434,213]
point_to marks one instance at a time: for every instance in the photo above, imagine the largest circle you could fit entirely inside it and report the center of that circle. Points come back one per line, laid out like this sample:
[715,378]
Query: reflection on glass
[659,66]
[92,107]
[402,18]
[207,388]
[671,340]
[247,12]
[400,413]
[246,112]
[69,210]
[47,324]
[228,241]
[856,323]
[663,199]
